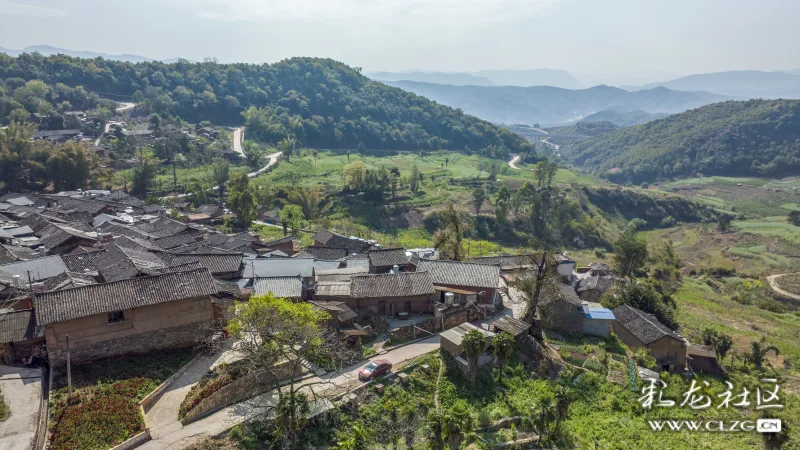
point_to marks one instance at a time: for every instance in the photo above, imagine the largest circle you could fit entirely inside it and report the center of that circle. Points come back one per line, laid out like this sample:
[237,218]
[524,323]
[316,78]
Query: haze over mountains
[551,106]
[48,50]
[740,83]
[510,77]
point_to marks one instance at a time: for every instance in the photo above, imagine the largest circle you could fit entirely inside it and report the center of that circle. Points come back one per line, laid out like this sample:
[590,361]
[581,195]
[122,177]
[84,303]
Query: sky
[595,40]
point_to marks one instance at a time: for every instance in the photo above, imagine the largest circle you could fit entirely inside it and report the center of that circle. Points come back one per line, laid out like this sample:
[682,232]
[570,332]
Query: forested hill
[322,102]
[755,137]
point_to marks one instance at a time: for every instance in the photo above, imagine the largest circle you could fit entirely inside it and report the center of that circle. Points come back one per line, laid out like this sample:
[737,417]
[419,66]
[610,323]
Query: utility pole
[69,372]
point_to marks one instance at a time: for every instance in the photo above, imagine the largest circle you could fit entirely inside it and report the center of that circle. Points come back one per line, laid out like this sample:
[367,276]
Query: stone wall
[237,391]
[167,338]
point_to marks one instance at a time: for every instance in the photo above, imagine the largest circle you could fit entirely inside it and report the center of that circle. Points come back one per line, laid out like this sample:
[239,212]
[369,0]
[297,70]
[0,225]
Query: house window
[116,316]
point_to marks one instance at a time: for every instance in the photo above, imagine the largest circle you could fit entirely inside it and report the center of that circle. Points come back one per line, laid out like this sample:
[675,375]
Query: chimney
[395,269]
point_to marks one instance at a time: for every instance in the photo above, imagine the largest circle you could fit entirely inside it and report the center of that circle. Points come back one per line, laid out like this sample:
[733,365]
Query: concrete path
[162,417]
[513,162]
[124,106]
[22,391]
[237,141]
[332,383]
[772,279]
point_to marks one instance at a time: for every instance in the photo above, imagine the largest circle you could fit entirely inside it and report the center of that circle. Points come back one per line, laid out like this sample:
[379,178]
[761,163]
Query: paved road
[772,279]
[23,397]
[237,140]
[273,159]
[233,415]
[124,106]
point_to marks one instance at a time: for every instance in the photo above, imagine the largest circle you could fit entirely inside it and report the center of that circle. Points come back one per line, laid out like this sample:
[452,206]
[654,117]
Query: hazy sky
[659,37]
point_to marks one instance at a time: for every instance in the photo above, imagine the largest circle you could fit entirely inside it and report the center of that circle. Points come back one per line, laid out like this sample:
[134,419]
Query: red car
[374,369]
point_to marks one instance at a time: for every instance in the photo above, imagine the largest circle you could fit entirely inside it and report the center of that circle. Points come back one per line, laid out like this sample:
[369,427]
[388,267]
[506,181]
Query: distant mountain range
[623,118]
[734,138]
[533,77]
[739,83]
[551,106]
[47,50]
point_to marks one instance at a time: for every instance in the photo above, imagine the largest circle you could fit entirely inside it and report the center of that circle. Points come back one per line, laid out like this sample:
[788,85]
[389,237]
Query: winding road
[124,106]
[513,162]
[238,137]
[775,287]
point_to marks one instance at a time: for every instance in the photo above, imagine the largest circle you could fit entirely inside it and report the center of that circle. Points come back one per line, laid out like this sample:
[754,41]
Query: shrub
[668,221]
[600,253]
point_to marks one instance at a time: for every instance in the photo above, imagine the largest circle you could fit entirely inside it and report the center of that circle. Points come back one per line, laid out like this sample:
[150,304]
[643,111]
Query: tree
[221,174]
[722,343]
[542,415]
[254,154]
[286,146]
[457,421]
[448,239]
[70,166]
[501,204]
[478,197]
[361,148]
[758,352]
[314,154]
[503,344]
[794,218]
[446,161]
[275,336]
[630,253]
[241,200]
[356,439]
[551,168]
[473,344]
[415,179]
[724,223]
[292,216]
[645,296]
[354,175]
[307,199]
[564,398]
[540,283]
[434,431]
[144,173]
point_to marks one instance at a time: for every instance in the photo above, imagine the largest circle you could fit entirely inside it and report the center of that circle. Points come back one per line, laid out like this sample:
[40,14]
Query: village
[90,275]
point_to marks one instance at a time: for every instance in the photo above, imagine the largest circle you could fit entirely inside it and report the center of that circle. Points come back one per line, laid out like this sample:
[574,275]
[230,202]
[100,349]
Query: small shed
[512,326]
[596,319]
[703,359]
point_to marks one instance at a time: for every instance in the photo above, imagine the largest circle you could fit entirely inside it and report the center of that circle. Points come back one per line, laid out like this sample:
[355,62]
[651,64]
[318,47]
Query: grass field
[186,176]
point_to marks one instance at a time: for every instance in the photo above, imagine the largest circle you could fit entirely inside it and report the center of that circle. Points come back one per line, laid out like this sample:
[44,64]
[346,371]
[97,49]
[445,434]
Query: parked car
[374,369]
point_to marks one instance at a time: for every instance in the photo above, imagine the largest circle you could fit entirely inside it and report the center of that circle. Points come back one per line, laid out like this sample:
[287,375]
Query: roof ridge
[459,262]
[128,280]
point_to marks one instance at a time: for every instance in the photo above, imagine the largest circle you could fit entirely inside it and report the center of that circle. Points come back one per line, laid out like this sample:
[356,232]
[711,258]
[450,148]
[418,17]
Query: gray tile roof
[506,262]
[217,263]
[323,236]
[388,257]
[282,240]
[288,287]
[326,265]
[116,229]
[227,289]
[326,252]
[82,262]
[6,256]
[211,210]
[338,309]
[457,273]
[18,326]
[137,243]
[177,240]
[19,231]
[56,235]
[60,306]
[403,284]
[40,268]
[68,280]
[644,326]
[119,263]
[194,265]
[352,245]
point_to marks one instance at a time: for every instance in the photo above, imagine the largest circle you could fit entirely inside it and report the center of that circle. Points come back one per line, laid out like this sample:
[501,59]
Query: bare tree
[536,283]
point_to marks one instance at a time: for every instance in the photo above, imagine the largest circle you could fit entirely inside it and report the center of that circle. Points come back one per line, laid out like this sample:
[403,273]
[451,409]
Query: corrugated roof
[403,284]
[332,288]
[60,306]
[284,287]
[278,267]
[459,273]
[40,268]
[18,326]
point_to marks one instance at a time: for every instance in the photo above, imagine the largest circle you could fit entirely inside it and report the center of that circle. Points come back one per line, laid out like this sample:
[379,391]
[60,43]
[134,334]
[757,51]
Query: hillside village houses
[119,277]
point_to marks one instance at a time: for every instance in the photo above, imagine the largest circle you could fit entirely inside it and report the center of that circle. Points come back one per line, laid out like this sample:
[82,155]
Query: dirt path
[775,287]
[513,162]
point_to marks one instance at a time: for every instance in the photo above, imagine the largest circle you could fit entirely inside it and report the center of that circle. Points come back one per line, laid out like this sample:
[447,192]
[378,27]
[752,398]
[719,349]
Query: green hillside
[323,103]
[756,137]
